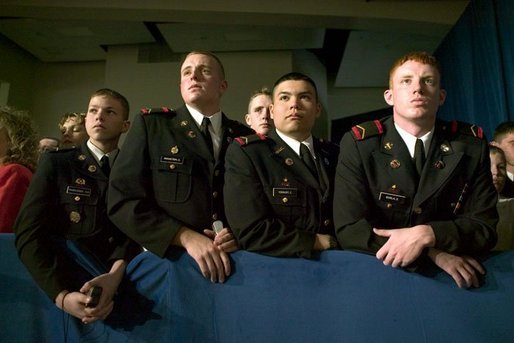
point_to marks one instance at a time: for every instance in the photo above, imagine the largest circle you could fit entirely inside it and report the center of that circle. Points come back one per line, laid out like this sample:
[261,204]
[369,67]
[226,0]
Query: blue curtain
[477,58]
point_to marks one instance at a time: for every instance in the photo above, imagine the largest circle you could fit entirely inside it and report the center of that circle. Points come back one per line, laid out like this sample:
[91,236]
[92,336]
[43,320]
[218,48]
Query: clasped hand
[404,245]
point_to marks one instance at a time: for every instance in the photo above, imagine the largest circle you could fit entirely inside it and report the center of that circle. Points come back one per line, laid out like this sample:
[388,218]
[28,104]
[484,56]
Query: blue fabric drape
[477,58]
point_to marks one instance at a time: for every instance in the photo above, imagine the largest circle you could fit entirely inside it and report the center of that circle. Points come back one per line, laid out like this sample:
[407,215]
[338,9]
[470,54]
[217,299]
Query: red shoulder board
[147,110]
[245,140]
[467,129]
[367,129]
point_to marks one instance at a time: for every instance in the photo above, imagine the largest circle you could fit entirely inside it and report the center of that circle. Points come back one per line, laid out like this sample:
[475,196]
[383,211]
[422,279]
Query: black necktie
[206,134]
[106,167]
[308,160]
[419,155]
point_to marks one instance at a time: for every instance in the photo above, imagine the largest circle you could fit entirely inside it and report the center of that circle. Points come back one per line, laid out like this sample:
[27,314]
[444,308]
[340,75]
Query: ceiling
[356,39]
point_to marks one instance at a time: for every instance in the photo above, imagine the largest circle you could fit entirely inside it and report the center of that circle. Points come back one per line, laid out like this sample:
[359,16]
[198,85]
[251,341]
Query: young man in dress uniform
[411,184]
[168,189]
[278,189]
[66,201]
[258,116]
[503,138]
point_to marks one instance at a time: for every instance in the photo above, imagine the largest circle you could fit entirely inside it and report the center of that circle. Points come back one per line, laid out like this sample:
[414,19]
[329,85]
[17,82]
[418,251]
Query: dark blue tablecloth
[339,297]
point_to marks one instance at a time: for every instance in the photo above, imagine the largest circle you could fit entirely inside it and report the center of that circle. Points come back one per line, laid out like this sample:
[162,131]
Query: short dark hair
[502,130]
[295,76]
[114,95]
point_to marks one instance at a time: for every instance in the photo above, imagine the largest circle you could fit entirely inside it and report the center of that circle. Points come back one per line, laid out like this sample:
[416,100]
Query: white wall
[61,88]
[157,84]
[48,90]
[345,102]
[17,69]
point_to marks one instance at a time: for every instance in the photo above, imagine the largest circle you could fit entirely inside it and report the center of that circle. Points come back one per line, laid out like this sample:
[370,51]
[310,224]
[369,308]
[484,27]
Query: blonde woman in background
[18,156]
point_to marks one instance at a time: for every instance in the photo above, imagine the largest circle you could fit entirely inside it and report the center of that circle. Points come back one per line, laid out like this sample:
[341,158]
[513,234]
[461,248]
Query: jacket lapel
[189,134]
[394,158]
[286,156]
[440,165]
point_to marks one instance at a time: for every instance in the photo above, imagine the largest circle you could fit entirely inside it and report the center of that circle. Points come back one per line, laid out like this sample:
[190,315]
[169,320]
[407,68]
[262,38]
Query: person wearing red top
[18,151]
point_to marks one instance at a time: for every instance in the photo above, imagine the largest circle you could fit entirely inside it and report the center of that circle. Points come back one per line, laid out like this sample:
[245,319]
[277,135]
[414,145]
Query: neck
[417,128]
[206,109]
[298,136]
[106,147]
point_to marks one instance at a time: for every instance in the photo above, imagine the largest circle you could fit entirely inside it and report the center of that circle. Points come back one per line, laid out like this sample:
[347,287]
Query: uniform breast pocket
[81,212]
[172,179]
[289,204]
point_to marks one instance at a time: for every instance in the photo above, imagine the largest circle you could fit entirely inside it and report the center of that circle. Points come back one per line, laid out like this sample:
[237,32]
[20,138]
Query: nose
[294,100]
[195,74]
[418,86]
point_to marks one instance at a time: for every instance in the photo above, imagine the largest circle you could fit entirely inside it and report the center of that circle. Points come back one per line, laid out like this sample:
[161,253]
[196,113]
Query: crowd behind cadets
[167,194]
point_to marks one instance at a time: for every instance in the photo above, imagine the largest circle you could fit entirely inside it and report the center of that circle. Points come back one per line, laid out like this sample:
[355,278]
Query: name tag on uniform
[290,192]
[86,192]
[172,159]
[391,197]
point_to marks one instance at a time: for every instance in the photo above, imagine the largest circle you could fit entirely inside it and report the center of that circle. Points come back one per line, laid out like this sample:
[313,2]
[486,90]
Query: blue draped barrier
[339,297]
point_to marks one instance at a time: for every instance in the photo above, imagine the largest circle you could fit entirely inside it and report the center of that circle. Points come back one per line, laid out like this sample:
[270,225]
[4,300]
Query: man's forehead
[414,67]
[198,59]
[294,86]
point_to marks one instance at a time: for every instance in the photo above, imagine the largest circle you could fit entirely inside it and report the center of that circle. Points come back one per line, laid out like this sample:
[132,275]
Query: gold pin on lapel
[439,164]
[80,181]
[82,157]
[191,134]
[74,217]
[183,123]
[395,164]
[289,161]
[388,146]
[91,168]
[444,147]
[174,150]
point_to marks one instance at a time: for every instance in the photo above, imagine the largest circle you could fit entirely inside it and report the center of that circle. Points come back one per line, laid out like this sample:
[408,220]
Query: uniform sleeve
[14,183]
[353,202]
[473,230]
[250,215]
[34,230]
[131,203]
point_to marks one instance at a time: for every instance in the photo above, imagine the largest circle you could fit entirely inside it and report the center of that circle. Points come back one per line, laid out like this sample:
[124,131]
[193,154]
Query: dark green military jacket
[377,186]
[166,177]
[274,204]
[66,200]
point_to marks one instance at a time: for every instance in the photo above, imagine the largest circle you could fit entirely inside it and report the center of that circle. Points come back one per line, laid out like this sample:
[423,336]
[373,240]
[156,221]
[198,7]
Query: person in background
[258,116]
[503,138]
[73,131]
[279,188]
[63,234]
[505,206]
[48,144]
[167,192]
[411,186]
[18,156]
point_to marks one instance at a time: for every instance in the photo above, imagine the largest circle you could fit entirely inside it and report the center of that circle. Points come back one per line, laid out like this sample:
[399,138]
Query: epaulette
[367,129]
[467,129]
[245,140]
[146,110]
